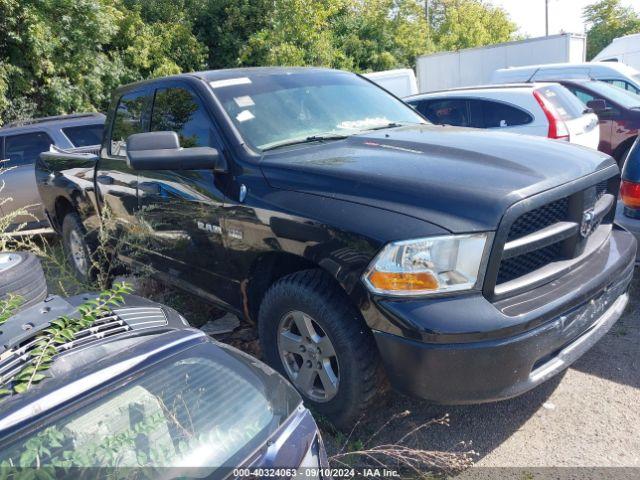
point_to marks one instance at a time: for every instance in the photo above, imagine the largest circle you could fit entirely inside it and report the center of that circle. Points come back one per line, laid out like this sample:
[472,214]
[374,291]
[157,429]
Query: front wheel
[311,333]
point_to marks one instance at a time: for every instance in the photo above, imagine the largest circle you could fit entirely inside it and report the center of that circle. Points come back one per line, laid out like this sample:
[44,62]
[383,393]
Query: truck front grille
[512,268]
[557,231]
[539,218]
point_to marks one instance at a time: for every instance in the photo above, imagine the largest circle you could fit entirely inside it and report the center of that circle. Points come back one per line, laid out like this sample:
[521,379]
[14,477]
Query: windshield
[273,109]
[198,410]
[622,97]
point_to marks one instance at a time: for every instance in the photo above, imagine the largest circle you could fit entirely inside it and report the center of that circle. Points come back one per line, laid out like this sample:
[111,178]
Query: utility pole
[426,10]
[546,17]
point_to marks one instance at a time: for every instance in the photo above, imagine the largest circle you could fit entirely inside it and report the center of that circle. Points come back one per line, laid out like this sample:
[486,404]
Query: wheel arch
[270,267]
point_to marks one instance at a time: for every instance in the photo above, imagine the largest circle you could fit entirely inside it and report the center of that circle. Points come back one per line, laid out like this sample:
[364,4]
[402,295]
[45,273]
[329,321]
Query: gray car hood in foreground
[460,179]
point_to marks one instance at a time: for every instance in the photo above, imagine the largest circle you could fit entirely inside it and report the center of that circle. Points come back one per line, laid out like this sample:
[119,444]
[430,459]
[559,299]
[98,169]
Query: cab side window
[178,110]
[24,149]
[129,118]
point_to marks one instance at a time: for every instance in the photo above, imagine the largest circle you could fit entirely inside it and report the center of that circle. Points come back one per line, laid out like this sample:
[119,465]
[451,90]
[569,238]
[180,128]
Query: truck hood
[460,179]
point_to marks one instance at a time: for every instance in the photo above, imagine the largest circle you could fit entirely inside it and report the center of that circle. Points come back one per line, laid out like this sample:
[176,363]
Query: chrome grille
[116,322]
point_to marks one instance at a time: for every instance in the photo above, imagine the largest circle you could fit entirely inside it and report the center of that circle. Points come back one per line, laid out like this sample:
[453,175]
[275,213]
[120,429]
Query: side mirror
[162,151]
[598,105]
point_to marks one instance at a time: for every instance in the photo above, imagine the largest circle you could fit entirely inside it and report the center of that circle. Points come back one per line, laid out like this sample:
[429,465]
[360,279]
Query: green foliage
[458,24]
[62,56]
[9,306]
[63,330]
[606,20]
[59,56]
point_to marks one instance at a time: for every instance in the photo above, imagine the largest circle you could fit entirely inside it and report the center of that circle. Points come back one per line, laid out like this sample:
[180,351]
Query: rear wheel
[76,247]
[311,333]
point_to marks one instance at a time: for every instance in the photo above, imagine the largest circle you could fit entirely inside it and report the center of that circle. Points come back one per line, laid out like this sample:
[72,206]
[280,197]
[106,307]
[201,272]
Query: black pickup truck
[462,265]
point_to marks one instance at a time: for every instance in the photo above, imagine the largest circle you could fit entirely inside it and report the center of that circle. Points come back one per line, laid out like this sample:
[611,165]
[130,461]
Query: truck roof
[229,73]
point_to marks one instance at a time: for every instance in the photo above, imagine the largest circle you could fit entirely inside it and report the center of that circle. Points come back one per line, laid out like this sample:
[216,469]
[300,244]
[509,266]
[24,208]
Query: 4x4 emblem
[588,223]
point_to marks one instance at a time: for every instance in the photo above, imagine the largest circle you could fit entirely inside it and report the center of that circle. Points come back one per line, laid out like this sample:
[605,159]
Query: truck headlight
[427,265]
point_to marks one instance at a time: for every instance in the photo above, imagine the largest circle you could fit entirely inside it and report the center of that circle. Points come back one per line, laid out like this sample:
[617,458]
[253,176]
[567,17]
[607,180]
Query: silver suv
[20,146]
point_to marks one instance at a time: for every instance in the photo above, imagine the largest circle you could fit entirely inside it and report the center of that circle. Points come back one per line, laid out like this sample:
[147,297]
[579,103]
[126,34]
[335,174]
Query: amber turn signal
[403,281]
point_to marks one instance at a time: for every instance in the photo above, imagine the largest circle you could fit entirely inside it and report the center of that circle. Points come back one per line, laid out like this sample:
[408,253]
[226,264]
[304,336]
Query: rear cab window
[131,116]
[84,135]
[566,105]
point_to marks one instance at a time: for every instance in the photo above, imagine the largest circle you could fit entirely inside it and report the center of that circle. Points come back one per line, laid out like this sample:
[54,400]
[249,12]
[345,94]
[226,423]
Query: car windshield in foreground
[273,110]
[198,410]
[622,97]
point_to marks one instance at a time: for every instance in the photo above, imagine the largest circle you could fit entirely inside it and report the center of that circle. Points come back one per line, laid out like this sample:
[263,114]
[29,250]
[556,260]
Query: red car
[618,111]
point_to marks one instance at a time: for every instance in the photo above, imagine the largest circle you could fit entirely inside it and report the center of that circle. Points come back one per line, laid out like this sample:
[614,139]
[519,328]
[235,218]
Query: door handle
[105,179]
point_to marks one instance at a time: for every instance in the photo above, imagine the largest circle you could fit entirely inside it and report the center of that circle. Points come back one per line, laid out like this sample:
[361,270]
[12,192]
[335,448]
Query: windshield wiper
[391,125]
[310,139]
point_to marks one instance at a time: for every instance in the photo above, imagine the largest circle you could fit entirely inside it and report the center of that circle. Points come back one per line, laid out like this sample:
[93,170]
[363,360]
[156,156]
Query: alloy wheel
[308,356]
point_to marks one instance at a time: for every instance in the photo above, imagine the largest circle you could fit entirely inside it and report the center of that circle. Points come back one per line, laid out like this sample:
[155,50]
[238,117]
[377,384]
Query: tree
[458,24]
[60,56]
[606,20]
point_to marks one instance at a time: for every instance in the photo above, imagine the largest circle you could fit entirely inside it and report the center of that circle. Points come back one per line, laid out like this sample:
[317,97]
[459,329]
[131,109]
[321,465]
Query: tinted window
[616,95]
[178,110]
[85,135]
[622,84]
[24,149]
[583,96]
[488,114]
[130,118]
[445,112]
[565,104]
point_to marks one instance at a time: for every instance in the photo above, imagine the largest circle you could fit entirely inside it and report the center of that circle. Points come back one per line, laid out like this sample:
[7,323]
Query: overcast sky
[564,15]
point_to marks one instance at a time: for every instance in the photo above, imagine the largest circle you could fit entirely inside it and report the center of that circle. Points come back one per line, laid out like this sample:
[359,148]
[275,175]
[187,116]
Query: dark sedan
[141,390]
[618,111]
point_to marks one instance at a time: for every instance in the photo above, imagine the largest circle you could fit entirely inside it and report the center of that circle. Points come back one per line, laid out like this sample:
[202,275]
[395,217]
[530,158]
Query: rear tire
[76,248]
[341,386]
[21,275]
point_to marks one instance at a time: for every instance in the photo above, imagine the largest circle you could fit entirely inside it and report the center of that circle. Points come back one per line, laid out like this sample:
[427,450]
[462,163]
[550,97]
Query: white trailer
[474,66]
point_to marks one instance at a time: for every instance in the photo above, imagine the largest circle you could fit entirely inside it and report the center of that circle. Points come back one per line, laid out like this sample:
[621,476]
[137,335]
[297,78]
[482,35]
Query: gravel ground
[588,416]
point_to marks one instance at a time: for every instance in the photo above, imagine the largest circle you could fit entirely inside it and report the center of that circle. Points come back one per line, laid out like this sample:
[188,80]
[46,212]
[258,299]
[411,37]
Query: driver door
[181,209]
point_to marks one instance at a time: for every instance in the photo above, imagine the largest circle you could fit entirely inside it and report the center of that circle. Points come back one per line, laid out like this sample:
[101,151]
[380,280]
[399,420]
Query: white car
[617,74]
[541,109]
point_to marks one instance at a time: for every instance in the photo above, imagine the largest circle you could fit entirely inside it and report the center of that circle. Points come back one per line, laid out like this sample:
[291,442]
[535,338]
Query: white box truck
[623,49]
[474,66]
[400,82]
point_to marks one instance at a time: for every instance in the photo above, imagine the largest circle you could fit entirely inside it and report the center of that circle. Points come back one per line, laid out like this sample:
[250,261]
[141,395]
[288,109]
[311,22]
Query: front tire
[310,332]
